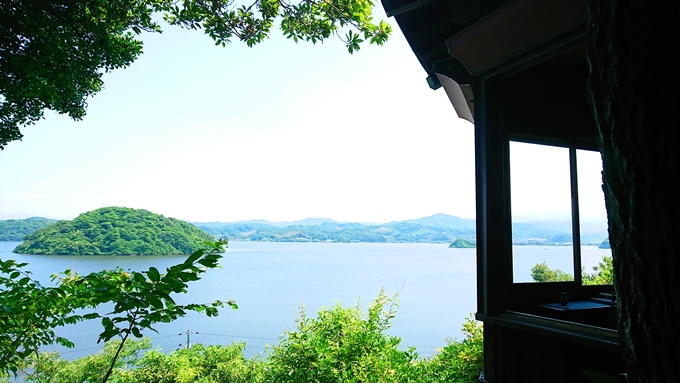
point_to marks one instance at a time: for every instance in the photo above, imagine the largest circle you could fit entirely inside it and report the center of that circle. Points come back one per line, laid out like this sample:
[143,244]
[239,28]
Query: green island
[115,231]
[461,243]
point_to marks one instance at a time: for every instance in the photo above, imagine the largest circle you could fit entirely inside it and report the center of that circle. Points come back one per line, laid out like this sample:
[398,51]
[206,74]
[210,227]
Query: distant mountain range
[438,228]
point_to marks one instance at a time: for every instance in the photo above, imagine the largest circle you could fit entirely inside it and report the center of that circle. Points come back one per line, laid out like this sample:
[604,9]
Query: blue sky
[280,131]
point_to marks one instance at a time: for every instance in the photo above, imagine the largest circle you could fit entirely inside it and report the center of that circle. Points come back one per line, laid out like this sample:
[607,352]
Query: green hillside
[461,243]
[115,231]
[393,232]
[438,228]
[17,229]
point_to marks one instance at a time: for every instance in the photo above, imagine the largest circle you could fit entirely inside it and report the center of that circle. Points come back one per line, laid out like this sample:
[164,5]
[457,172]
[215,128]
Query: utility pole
[188,343]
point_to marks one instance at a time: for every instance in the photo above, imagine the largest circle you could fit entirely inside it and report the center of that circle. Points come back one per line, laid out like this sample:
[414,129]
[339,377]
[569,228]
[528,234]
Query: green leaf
[139,278]
[64,342]
[193,257]
[207,262]
[185,276]
[137,333]
[153,274]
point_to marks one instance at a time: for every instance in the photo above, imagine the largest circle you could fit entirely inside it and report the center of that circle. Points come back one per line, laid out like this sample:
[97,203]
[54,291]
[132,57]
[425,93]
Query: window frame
[521,295]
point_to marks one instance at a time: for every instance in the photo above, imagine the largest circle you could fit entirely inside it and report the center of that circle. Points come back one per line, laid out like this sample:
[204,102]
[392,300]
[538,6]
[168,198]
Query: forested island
[115,231]
[461,243]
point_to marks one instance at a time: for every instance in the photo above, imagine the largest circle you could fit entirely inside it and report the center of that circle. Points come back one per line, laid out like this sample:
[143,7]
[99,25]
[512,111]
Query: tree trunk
[634,92]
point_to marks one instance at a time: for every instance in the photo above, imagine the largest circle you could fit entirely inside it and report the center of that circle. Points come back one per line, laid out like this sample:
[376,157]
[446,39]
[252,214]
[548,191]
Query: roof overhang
[519,33]
[487,37]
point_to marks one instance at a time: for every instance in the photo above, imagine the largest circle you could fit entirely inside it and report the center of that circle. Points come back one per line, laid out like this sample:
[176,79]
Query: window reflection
[595,252]
[540,190]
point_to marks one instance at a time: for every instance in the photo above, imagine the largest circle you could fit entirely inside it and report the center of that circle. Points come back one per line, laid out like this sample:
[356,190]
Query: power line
[79,350]
[240,336]
[69,351]
[188,333]
[163,337]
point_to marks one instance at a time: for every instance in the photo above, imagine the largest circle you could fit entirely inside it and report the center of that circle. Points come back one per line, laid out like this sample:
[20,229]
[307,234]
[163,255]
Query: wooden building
[518,70]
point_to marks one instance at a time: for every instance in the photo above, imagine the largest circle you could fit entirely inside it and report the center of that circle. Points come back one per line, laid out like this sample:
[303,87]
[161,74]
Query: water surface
[270,281]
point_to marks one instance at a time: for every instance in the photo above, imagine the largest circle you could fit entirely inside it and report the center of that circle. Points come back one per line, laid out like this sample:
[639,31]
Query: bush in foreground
[342,345]
[460,361]
[338,345]
[603,273]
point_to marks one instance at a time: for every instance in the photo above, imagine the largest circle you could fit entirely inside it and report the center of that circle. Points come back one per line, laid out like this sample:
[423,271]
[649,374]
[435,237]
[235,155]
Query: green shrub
[338,345]
[603,273]
[342,345]
[542,273]
[459,361]
[51,367]
[205,364]
[211,364]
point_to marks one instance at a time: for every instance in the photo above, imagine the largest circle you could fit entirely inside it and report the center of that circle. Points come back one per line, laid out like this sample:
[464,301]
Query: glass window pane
[595,251]
[540,190]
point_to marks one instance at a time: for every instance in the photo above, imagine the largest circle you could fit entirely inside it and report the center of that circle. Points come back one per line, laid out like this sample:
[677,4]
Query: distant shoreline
[435,229]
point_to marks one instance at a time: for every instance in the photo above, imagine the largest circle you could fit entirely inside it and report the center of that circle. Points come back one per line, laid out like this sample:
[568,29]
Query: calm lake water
[269,281]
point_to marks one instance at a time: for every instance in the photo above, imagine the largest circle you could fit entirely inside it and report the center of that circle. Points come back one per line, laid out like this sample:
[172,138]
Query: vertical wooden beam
[575,217]
[494,240]
[494,237]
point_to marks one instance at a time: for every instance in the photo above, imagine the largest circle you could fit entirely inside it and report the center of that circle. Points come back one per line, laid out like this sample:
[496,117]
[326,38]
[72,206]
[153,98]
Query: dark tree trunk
[634,91]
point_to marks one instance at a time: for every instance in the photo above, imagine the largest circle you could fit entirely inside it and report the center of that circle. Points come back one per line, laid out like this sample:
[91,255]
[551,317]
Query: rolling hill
[115,231]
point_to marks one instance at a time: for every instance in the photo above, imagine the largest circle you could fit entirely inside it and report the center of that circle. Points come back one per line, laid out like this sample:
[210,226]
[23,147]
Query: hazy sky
[280,131]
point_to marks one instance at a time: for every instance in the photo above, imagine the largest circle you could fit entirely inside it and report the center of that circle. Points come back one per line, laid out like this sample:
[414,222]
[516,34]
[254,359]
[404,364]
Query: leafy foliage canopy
[53,53]
[603,273]
[116,231]
[340,344]
[30,312]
